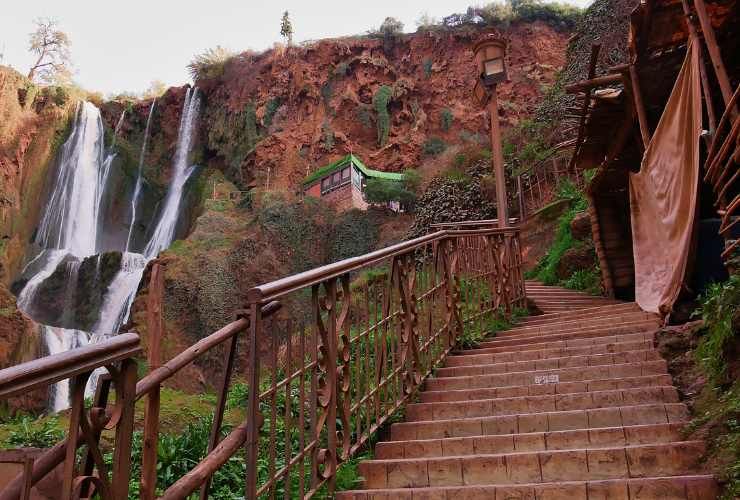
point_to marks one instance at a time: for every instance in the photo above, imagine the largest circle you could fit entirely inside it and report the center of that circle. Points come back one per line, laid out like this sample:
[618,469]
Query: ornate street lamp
[490,60]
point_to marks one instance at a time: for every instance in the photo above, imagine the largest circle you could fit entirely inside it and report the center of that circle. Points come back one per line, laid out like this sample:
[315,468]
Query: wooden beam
[583,85]
[714,53]
[595,48]
[639,106]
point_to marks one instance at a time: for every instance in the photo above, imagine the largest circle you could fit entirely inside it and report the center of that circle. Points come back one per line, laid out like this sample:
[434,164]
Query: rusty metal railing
[347,346]
[538,185]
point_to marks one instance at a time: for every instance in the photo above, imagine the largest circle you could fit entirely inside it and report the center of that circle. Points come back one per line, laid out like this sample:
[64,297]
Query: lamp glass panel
[494,66]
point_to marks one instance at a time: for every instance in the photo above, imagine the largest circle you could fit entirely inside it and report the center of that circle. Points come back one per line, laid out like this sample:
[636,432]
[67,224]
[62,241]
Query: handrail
[50,369]
[159,375]
[275,289]
[473,223]
[351,354]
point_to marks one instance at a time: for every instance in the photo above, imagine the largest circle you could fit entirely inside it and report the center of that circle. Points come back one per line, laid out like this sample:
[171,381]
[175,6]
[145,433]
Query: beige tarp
[663,194]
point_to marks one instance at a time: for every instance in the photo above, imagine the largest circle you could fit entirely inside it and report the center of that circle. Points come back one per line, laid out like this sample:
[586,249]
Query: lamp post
[490,59]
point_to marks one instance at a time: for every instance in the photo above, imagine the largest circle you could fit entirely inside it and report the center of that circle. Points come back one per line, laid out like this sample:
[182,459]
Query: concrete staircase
[575,404]
[553,299]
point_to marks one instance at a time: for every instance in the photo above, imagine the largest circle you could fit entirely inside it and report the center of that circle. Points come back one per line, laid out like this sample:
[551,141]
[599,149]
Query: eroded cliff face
[313,104]
[33,123]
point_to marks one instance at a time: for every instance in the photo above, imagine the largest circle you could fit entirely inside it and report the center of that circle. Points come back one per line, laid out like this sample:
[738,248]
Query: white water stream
[72,220]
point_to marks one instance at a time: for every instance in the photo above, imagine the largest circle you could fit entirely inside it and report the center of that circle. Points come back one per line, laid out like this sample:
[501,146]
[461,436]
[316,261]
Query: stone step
[528,339]
[685,487]
[657,460]
[534,441]
[546,388]
[623,416]
[604,338]
[580,313]
[466,408]
[550,363]
[626,317]
[471,357]
[535,377]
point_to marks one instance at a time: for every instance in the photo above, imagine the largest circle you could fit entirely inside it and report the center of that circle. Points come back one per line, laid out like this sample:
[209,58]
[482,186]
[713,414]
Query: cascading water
[164,232]
[139,179]
[68,231]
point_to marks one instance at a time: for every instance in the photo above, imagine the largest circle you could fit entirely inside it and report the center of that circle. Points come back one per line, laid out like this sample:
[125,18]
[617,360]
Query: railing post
[520,196]
[454,323]
[253,403]
[151,411]
[125,396]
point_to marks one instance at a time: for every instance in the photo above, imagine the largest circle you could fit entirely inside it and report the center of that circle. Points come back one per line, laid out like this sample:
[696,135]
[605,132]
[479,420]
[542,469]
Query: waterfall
[71,218]
[164,233]
[137,189]
[71,223]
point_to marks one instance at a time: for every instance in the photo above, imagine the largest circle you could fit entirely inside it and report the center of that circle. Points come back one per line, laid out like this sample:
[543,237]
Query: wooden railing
[333,353]
[722,173]
[537,186]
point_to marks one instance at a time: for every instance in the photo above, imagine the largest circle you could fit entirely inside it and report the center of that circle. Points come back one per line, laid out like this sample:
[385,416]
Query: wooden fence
[333,353]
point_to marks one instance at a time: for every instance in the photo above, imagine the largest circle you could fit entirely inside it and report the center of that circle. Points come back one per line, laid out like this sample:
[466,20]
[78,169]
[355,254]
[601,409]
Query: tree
[286,28]
[51,46]
[391,26]
[156,89]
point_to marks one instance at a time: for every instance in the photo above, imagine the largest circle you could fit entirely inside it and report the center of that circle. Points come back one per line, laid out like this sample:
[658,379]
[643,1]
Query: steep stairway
[574,404]
[553,299]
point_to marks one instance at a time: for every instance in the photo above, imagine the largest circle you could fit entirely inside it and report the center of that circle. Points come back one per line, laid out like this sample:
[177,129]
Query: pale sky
[124,45]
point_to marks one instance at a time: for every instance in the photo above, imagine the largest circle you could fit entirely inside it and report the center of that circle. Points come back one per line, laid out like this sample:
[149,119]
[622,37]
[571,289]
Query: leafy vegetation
[546,269]
[445,119]
[427,66]
[584,280]
[719,403]
[475,331]
[433,146]
[26,431]
[270,109]
[380,103]
[233,135]
[353,233]
[720,310]
[558,15]
[384,191]
[209,64]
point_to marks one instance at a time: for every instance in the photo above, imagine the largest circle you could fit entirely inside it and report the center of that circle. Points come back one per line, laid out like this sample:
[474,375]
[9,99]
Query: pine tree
[286,28]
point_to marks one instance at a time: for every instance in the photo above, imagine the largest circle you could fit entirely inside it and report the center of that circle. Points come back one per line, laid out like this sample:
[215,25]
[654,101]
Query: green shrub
[353,233]
[445,119]
[585,280]
[380,103]
[364,116]
[209,64]
[270,109]
[720,310]
[383,191]
[433,146]
[328,136]
[27,432]
[427,66]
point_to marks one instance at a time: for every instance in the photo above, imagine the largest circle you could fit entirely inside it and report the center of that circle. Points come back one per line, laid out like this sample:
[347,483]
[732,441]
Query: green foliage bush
[270,109]
[584,280]
[445,119]
[353,233]
[433,146]
[383,191]
[380,103]
[209,64]
[27,432]
[546,269]
[427,65]
[720,310]
[364,116]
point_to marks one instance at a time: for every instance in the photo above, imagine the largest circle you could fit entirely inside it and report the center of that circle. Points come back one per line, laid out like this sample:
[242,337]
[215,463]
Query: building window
[336,180]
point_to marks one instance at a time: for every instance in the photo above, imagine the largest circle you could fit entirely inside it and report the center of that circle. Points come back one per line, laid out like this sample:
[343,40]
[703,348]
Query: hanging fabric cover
[663,195]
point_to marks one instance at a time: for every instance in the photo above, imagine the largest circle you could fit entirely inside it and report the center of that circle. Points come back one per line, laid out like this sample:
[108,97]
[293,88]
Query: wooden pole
[151,411]
[502,209]
[639,106]
[714,53]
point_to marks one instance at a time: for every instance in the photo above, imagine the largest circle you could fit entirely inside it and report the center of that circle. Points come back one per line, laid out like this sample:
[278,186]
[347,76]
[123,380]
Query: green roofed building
[343,182]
